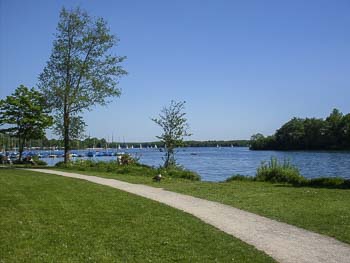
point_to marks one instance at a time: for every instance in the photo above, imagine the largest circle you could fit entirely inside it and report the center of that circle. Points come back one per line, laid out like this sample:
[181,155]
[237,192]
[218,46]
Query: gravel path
[283,242]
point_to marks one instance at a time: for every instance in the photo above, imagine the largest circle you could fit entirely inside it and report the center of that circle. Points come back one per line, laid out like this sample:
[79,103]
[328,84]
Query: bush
[128,165]
[277,172]
[37,161]
[30,161]
[239,177]
[328,182]
[60,164]
[127,159]
[179,172]
[83,165]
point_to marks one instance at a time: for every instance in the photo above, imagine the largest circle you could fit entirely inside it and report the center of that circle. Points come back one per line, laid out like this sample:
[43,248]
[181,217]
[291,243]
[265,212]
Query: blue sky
[242,66]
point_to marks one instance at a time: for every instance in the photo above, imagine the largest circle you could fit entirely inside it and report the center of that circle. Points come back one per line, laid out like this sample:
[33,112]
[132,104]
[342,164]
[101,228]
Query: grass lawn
[47,218]
[326,211]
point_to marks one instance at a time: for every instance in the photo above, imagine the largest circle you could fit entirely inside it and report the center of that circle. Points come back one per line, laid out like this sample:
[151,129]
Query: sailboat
[140,146]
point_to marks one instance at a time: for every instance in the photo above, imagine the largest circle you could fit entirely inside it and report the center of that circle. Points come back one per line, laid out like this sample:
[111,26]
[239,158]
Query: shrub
[37,161]
[84,165]
[111,166]
[328,182]
[60,165]
[179,172]
[127,159]
[239,177]
[277,172]
[284,172]
[30,161]
[128,165]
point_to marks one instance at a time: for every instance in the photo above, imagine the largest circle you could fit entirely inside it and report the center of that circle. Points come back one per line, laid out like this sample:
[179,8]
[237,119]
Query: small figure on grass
[157,178]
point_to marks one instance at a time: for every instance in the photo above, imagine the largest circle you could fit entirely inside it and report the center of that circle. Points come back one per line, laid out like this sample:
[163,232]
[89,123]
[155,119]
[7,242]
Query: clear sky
[242,66]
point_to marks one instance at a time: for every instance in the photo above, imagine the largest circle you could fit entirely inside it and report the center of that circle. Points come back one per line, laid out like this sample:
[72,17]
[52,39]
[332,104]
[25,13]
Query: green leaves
[82,71]
[175,127]
[308,134]
[25,115]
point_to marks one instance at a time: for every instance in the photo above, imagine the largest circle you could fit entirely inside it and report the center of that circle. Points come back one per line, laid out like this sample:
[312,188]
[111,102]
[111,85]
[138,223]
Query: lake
[217,164]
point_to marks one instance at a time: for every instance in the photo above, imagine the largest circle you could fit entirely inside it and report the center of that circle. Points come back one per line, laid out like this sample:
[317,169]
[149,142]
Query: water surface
[217,164]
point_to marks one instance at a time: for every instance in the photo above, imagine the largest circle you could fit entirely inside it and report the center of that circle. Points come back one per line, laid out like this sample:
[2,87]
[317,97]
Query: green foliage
[94,142]
[327,182]
[179,172]
[39,162]
[239,177]
[76,127]
[259,142]
[82,71]
[175,127]
[128,167]
[277,172]
[30,161]
[89,165]
[292,133]
[221,143]
[127,159]
[25,114]
[333,133]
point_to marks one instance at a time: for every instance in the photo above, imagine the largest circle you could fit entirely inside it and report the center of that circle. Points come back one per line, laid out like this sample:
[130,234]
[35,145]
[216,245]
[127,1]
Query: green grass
[322,210]
[48,218]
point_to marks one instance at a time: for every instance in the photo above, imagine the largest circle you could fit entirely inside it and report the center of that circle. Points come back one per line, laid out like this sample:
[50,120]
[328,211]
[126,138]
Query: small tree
[82,71]
[25,115]
[175,127]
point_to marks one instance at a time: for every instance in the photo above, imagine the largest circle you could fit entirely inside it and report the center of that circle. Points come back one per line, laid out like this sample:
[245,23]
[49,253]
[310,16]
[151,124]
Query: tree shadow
[320,185]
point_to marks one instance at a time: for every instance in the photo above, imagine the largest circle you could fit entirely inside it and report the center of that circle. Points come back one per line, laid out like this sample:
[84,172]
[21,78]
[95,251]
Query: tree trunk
[169,157]
[66,137]
[20,147]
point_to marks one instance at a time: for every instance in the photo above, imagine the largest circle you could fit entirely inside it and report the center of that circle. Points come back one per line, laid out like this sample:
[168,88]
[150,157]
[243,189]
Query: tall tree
[334,128]
[82,71]
[291,134]
[346,131]
[175,127]
[25,116]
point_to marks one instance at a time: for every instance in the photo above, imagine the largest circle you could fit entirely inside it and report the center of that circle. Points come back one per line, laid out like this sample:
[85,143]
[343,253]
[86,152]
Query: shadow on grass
[322,182]
[327,183]
[19,166]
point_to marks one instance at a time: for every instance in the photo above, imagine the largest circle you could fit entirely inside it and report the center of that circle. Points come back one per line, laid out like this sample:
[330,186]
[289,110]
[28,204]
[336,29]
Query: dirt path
[283,242]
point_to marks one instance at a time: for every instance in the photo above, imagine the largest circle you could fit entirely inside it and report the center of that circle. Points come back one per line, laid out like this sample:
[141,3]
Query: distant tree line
[9,143]
[332,133]
[220,143]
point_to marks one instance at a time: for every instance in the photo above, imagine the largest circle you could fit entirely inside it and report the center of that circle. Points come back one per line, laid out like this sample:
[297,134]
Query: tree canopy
[175,127]
[333,133]
[82,71]
[25,115]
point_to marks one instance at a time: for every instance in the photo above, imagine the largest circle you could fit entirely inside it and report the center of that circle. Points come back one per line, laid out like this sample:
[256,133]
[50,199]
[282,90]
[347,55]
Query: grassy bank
[46,218]
[326,211]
